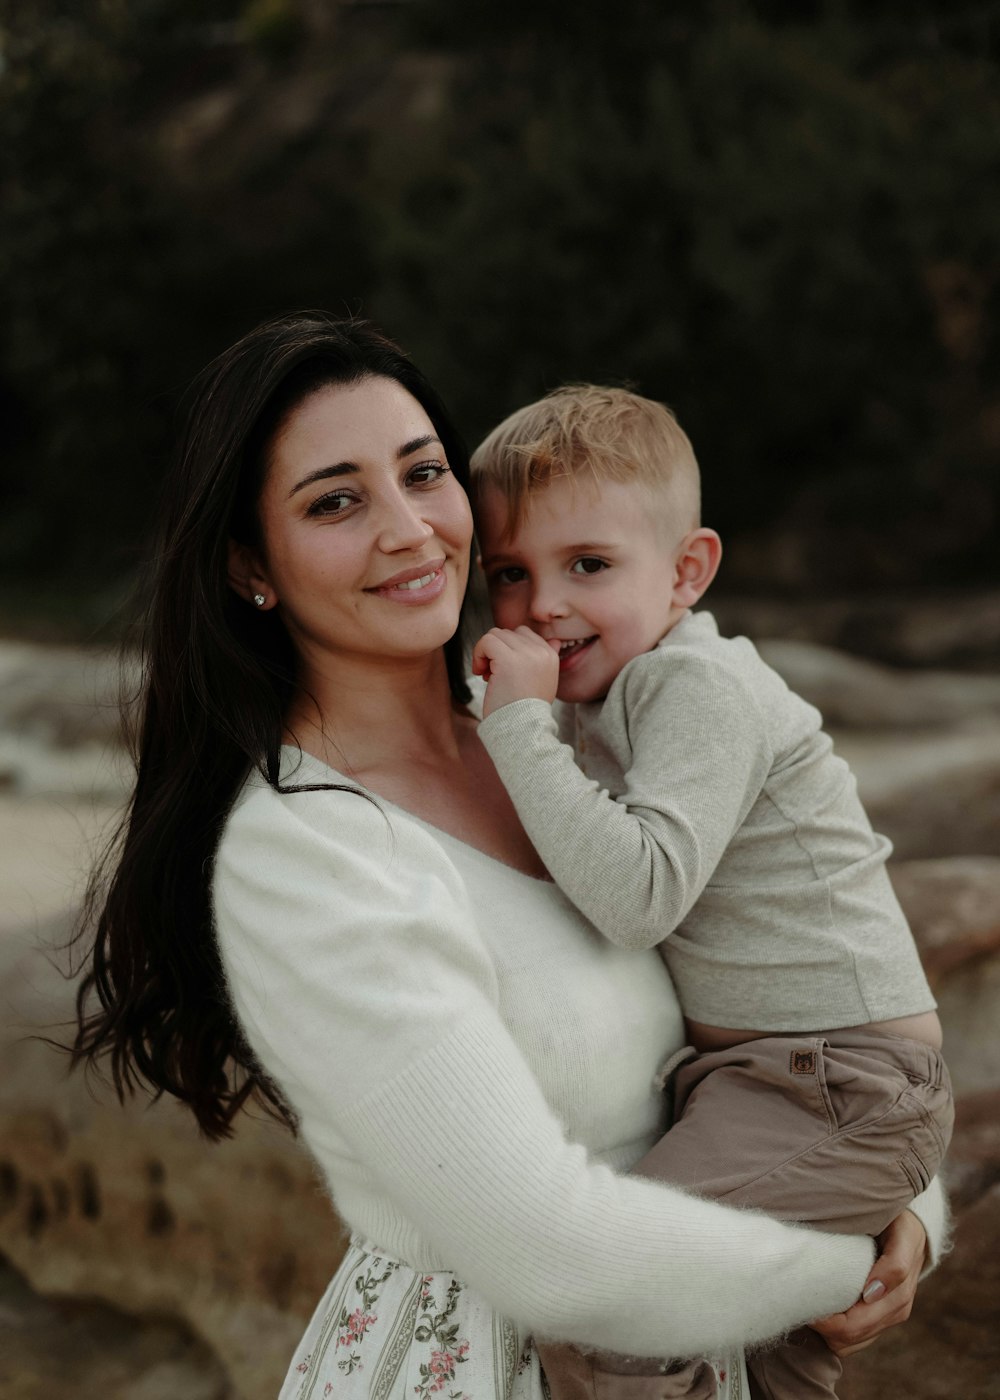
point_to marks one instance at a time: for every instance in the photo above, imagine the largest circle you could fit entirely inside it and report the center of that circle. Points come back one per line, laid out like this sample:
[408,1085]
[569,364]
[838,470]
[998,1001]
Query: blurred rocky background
[778,217]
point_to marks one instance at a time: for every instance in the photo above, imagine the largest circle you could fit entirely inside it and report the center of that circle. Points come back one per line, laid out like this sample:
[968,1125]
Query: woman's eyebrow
[344,468]
[416,444]
[321,474]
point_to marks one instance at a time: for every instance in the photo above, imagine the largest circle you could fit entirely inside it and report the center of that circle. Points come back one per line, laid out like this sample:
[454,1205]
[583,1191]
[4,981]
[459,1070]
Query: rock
[973,1165]
[959,815]
[67,695]
[951,1345]
[132,1207]
[969,1007]
[54,1346]
[60,727]
[953,907]
[864,695]
[931,794]
[903,629]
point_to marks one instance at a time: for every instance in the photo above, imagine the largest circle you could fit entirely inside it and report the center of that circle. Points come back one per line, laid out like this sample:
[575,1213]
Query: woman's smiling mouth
[419,584]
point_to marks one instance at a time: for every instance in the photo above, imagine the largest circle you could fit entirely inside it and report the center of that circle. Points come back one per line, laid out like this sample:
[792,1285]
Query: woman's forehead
[365,422]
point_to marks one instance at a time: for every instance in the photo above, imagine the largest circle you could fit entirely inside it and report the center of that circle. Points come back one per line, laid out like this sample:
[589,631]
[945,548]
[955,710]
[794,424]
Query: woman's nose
[402,526]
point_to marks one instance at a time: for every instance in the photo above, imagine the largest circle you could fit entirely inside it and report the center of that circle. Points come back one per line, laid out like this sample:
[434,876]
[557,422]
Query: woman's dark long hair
[218,676]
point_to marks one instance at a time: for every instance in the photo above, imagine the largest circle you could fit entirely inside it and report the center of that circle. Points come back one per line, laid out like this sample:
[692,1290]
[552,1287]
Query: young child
[685,797]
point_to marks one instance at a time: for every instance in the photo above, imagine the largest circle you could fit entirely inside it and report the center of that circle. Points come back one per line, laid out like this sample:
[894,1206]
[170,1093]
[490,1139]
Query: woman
[360,933]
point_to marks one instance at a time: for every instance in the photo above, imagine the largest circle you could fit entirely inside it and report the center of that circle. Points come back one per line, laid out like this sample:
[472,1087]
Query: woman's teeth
[421,582]
[568,648]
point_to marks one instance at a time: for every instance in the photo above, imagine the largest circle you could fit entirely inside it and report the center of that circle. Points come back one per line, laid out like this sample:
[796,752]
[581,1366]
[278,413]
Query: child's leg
[839,1131]
[802,1368]
[575,1375]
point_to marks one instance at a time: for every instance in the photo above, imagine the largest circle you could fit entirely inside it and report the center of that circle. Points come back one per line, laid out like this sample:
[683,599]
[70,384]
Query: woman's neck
[359,718]
[394,728]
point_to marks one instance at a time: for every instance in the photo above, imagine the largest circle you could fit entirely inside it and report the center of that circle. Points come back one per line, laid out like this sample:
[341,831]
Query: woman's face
[366,531]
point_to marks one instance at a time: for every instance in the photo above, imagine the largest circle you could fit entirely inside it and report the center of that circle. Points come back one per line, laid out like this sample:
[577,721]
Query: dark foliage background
[781,218]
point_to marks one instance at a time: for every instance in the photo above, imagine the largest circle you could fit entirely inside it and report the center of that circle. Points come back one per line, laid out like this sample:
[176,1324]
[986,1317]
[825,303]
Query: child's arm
[636,864]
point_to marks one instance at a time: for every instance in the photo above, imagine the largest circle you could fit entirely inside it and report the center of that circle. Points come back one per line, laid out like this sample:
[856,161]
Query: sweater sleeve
[635,864]
[931,1209]
[358,973]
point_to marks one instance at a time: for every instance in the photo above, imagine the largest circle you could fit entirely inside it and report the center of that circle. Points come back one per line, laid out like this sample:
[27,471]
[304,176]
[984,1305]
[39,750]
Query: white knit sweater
[469,1061]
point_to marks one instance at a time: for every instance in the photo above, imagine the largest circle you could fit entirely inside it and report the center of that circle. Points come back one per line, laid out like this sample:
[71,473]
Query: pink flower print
[303,1365]
[441,1367]
[354,1329]
[328,1388]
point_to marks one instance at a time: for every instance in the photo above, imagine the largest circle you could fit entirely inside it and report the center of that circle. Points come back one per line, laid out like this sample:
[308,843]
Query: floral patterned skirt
[382,1331]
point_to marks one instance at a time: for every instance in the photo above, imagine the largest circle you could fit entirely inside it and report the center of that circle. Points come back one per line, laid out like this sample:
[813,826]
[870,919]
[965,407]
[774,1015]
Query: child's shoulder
[695,650]
[695,668]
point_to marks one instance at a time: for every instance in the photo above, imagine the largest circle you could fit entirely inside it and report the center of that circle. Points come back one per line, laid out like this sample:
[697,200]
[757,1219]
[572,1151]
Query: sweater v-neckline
[303,755]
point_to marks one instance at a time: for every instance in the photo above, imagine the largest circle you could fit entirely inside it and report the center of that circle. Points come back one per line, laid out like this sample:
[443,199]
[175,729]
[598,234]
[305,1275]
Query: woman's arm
[362,983]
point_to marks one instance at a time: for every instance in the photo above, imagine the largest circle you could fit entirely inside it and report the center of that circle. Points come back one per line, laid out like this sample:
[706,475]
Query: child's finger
[483,653]
[535,640]
[529,634]
[491,643]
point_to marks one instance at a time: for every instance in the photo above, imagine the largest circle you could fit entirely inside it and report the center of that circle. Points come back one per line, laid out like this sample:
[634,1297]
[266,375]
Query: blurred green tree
[127,259]
[777,217]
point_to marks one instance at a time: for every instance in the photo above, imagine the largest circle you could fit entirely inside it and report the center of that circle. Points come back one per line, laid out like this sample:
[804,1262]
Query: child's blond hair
[590,431]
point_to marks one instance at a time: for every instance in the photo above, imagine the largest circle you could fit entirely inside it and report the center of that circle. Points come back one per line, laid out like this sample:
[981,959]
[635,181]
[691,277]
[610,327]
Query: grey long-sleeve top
[701,807]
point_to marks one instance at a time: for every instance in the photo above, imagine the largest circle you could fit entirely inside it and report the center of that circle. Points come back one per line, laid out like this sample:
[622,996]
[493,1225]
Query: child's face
[589,566]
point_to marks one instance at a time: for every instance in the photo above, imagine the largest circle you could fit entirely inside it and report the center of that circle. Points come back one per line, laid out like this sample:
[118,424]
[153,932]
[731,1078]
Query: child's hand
[517,665]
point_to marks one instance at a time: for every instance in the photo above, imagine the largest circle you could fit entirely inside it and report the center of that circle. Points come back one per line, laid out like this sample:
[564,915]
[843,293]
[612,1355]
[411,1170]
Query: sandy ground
[46,847]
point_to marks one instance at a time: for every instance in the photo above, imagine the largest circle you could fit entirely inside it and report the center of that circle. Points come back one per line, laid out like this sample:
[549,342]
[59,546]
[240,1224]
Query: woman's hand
[889,1290]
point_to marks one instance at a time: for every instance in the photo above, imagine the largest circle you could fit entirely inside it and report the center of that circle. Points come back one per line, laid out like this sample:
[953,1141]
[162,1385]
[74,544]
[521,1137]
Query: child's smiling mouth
[570,650]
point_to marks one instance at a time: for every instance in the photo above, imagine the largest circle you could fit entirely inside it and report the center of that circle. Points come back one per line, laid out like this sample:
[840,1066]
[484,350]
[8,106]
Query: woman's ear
[695,565]
[248,577]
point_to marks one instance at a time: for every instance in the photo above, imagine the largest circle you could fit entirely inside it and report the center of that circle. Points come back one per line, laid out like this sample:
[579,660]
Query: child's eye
[589,564]
[511,574]
[426,473]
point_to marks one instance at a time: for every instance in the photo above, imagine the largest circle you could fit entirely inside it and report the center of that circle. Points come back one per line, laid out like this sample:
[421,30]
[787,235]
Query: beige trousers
[839,1130]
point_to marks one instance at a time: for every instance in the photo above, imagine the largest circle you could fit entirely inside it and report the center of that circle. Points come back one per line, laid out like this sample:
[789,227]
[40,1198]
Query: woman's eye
[427,473]
[334,503]
[589,564]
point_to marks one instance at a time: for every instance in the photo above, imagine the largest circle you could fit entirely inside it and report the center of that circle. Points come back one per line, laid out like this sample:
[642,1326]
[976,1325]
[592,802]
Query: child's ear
[695,565]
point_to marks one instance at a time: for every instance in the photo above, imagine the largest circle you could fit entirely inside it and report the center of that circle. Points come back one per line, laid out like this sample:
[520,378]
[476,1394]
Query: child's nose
[546,602]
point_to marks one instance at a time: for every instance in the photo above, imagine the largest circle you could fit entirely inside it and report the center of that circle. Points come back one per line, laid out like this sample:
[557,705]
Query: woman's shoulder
[318,825]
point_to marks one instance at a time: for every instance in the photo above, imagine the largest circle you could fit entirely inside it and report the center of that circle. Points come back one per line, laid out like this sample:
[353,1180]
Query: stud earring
[259,599]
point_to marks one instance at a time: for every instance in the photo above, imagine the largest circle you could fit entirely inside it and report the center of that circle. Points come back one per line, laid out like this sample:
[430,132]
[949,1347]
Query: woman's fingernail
[874,1290]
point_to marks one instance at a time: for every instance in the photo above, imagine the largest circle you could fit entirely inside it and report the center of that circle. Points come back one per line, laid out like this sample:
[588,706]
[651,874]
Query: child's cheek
[505,611]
